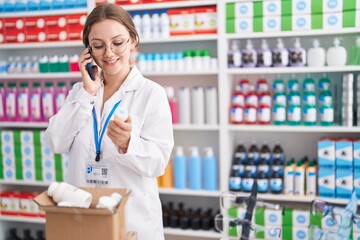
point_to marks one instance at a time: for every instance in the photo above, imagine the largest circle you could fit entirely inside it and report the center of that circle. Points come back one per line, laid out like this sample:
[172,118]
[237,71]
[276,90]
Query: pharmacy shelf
[40,13]
[36,76]
[22,219]
[185,38]
[188,192]
[184,73]
[64,44]
[167,5]
[24,125]
[192,233]
[189,127]
[292,34]
[24,183]
[290,70]
[287,128]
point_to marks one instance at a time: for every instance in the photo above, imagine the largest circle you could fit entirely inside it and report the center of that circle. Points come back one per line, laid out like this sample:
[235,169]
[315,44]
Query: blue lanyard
[96,134]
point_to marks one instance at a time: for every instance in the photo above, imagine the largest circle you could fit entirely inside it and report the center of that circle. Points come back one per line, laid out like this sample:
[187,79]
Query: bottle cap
[64,204]
[209,152]
[249,45]
[205,52]
[316,43]
[179,150]
[299,163]
[52,188]
[121,114]
[264,45]
[297,43]
[116,196]
[194,151]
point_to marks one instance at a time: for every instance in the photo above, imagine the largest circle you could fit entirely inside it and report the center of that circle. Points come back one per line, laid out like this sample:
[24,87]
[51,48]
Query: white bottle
[138,23]
[299,188]
[336,55]
[164,24]
[155,24]
[280,55]
[248,55]
[316,55]
[264,55]
[109,202]
[297,55]
[234,55]
[146,25]
[211,105]
[121,113]
[184,106]
[198,110]
[64,192]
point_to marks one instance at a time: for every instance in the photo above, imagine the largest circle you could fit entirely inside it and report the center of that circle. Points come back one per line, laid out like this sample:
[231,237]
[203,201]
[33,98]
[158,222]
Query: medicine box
[326,183]
[326,153]
[344,154]
[301,7]
[344,183]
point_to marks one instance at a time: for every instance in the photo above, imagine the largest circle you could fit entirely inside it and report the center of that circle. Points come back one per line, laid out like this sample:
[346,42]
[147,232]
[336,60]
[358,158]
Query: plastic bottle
[180,167]
[40,235]
[264,114]
[324,83]
[165,61]
[137,22]
[155,24]
[74,66]
[23,101]
[184,106]
[164,24]
[297,55]
[265,153]
[294,114]
[280,98]
[299,188]
[206,59]
[64,65]
[251,98]
[336,55]
[326,115]
[325,98]
[309,84]
[240,158]
[235,181]
[13,234]
[250,114]
[294,98]
[210,170]
[167,178]
[211,109]
[248,55]
[247,182]
[60,95]
[234,55]
[110,202]
[309,98]
[279,114]
[197,60]
[278,85]
[278,153]
[35,64]
[2,102]
[35,102]
[47,101]
[195,169]
[173,104]
[309,115]
[146,25]
[280,56]
[311,179]
[11,102]
[188,60]
[64,192]
[27,235]
[316,55]
[198,106]
[262,182]
[289,177]
[276,182]
[264,55]
[293,84]
[54,64]
[244,86]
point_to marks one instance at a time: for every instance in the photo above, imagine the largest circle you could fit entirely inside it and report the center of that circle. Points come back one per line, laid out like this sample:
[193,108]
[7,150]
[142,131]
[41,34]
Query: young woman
[107,151]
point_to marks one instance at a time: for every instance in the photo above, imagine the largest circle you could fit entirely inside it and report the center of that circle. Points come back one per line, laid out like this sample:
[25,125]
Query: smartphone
[90,69]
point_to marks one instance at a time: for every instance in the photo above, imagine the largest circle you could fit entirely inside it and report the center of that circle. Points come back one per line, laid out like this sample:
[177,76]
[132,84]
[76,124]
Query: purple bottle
[11,102]
[35,103]
[23,100]
[2,102]
[47,100]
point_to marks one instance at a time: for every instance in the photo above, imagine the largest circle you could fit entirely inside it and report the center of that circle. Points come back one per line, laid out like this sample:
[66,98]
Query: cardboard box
[68,223]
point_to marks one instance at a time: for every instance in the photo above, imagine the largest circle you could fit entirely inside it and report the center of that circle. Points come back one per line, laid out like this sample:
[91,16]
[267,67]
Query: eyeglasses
[118,46]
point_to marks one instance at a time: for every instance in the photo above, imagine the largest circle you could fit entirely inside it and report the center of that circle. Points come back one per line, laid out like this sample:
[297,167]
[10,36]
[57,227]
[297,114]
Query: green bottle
[294,114]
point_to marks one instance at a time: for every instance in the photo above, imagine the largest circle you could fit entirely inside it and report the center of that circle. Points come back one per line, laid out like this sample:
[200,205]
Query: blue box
[344,154]
[8,6]
[45,4]
[58,4]
[357,184]
[81,4]
[326,153]
[69,3]
[356,156]
[33,5]
[326,183]
[344,183]
[20,6]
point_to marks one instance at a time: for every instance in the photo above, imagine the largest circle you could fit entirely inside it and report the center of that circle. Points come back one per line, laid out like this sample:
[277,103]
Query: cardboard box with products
[67,223]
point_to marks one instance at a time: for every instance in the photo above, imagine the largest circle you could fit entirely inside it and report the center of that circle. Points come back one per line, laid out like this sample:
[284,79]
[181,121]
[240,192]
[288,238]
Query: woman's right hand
[91,86]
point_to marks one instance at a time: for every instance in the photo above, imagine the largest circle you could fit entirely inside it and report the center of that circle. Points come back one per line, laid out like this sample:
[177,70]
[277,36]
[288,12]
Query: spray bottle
[195,166]
[210,170]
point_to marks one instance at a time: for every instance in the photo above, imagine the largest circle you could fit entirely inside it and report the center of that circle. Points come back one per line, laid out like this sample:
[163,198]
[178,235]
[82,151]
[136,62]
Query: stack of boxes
[291,15]
[24,157]
[347,103]
[34,5]
[338,161]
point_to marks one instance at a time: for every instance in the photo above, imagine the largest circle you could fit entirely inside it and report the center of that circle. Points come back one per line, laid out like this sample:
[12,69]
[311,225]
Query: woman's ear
[133,43]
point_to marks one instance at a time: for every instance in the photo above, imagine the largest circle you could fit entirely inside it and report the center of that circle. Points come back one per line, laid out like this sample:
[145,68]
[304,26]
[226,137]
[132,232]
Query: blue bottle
[210,170]
[179,168]
[195,171]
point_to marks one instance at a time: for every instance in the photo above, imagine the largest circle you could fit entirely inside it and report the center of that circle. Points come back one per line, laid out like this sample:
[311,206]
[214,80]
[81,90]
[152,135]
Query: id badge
[98,174]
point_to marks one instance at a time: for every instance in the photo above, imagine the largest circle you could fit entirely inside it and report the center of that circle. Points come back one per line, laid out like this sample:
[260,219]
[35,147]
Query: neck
[115,81]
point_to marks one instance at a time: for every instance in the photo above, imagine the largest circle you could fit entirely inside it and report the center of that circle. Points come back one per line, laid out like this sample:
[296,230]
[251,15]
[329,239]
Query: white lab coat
[71,130]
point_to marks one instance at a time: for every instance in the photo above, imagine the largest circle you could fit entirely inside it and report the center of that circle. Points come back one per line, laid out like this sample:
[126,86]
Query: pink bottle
[250,114]
[48,101]
[244,85]
[60,95]
[11,102]
[23,100]
[264,114]
[265,99]
[35,103]
[2,102]
[262,85]
[251,98]
[173,104]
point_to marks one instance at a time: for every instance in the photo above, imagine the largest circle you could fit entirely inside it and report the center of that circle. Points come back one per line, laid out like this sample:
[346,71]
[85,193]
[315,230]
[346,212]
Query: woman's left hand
[120,132]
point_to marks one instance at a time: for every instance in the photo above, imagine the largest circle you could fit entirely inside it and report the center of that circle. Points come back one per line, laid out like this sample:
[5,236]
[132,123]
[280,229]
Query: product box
[67,223]
[295,233]
[357,183]
[330,222]
[35,29]
[205,20]
[301,218]
[271,8]
[301,7]
[326,183]
[56,28]
[332,21]
[301,22]
[182,21]
[344,154]
[239,10]
[344,183]
[239,25]
[75,25]
[356,155]
[272,23]
[330,6]
[2,31]
[326,153]
[273,217]
[14,29]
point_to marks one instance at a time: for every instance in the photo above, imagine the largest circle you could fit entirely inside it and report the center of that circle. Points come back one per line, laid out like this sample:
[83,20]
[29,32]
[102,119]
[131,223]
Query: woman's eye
[98,46]
[118,43]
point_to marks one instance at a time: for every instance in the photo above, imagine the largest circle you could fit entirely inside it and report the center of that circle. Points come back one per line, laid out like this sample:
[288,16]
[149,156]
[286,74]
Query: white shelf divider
[167,5]
[40,13]
[25,125]
[65,44]
[57,75]
[188,192]
[24,183]
[192,233]
[190,127]
[187,38]
[22,219]
[287,128]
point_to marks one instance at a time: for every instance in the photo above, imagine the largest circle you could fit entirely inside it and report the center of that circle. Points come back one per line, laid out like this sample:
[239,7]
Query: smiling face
[107,37]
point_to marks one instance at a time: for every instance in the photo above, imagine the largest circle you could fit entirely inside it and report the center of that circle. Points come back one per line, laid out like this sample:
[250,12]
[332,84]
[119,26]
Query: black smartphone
[89,69]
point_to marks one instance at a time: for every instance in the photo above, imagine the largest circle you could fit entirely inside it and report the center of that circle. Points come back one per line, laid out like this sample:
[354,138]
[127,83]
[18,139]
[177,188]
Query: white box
[27,137]
[272,8]
[9,173]
[8,149]
[301,22]
[326,153]
[330,6]
[326,183]
[330,223]
[28,174]
[344,154]
[300,233]
[301,218]
[244,9]
[7,137]
[273,233]
[48,175]
[27,150]
[301,7]
[46,151]
[48,163]
[9,161]
[332,21]
[272,23]
[243,25]
[344,183]
[273,217]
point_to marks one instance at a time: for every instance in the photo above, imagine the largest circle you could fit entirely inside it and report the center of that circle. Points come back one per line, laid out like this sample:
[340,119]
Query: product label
[294,114]
[97,174]
[59,100]
[310,114]
[251,100]
[35,106]
[276,184]
[311,183]
[235,183]
[265,100]
[289,182]
[310,99]
[264,168]
[279,114]
[23,101]
[9,205]
[294,99]
[10,105]
[264,115]
[263,185]
[327,115]
[247,184]
[250,115]
[238,100]
[48,107]
[236,115]
[280,99]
